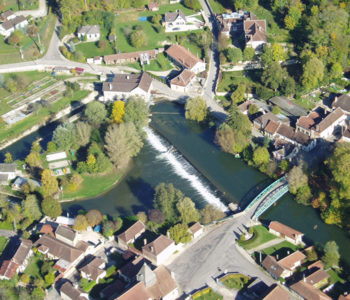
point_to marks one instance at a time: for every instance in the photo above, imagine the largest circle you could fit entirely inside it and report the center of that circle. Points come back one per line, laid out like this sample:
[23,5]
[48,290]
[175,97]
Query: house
[289,234]
[307,124]
[231,22]
[254,32]
[185,59]
[290,108]
[66,235]
[344,297]
[65,221]
[21,181]
[144,57]
[62,70]
[284,150]
[317,265]
[18,262]
[318,279]
[90,32]
[7,15]
[94,270]
[307,291]
[346,135]
[183,82]
[333,121]
[69,292]
[159,250]
[124,86]
[196,230]
[96,60]
[342,102]
[58,163]
[292,261]
[260,122]
[173,20]
[131,234]
[9,26]
[276,292]
[243,107]
[113,290]
[153,6]
[129,271]
[47,229]
[275,269]
[7,172]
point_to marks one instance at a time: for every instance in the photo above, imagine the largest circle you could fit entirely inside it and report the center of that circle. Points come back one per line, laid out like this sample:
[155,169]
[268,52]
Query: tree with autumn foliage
[118,111]
[49,183]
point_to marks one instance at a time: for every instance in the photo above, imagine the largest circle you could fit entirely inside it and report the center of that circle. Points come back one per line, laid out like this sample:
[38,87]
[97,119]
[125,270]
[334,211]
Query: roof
[289,261]
[8,168]
[146,275]
[92,269]
[165,283]
[22,251]
[344,297]
[317,277]
[343,102]
[152,5]
[129,234]
[89,29]
[288,106]
[128,82]
[13,22]
[158,245]
[76,294]
[133,267]
[265,118]
[65,220]
[136,292]
[296,136]
[309,121]
[346,133]
[129,55]
[114,289]
[195,227]
[272,127]
[66,232]
[285,230]
[330,119]
[184,78]
[6,14]
[46,229]
[56,156]
[244,106]
[309,292]
[276,293]
[58,248]
[255,30]
[316,265]
[4,177]
[8,268]
[172,16]
[183,56]
[272,266]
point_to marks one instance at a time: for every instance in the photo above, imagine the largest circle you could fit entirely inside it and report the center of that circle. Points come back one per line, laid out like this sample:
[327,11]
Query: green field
[94,185]
[91,49]
[261,235]
[3,243]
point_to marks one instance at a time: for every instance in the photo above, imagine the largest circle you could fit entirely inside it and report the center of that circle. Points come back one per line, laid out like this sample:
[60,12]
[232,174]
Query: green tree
[253,109]
[83,133]
[273,76]
[278,53]
[15,38]
[238,95]
[267,55]
[331,255]
[239,122]
[303,195]
[248,53]
[51,207]
[8,158]
[313,73]
[157,19]
[65,136]
[91,163]
[261,156]
[180,234]
[51,147]
[336,70]
[276,110]
[118,111]
[49,278]
[34,160]
[94,217]
[187,210]
[288,87]
[138,39]
[80,223]
[297,179]
[122,142]
[95,113]
[196,109]
[136,111]
[210,213]
[142,216]
[234,55]
[49,183]
[32,208]
[225,138]
[25,278]
[311,255]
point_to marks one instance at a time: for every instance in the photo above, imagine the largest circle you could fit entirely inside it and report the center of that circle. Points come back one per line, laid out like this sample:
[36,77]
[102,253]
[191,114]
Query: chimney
[152,248]
[127,77]
[144,241]
[168,234]
[288,252]
[110,86]
[304,279]
[277,257]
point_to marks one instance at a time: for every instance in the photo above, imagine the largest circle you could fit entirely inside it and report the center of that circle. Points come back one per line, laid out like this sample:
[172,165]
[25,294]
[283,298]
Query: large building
[12,24]
[90,32]
[254,32]
[159,250]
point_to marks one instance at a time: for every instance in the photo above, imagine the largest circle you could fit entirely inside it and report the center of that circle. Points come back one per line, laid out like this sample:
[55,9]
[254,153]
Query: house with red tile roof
[159,250]
[276,292]
[254,32]
[289,234]
[307,291]
[183,82]
[131,234]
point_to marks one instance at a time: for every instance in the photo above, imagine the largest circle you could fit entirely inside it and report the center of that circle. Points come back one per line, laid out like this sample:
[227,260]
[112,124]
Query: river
[212,175]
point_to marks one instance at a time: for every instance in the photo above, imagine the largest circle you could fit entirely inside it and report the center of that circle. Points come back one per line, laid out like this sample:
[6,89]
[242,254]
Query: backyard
[281,250]
[231,79]
[260,236]
[235,281]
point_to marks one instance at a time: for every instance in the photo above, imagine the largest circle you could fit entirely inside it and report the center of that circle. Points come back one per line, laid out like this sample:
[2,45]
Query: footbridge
[267,198]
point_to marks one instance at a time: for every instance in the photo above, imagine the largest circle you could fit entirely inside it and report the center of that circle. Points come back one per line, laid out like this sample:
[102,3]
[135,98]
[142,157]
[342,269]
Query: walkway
[266,245]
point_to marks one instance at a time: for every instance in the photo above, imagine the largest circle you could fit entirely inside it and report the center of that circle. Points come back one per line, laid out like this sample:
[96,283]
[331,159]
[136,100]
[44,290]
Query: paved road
[211,256]
[36,13]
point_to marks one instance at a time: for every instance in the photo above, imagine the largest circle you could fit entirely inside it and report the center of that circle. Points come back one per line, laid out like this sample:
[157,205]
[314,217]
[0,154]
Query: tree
[80,223]
[138,39]
[234,55]
[65,136]
[51,207]
[196,109]
[142,217]
[156,216]
[303,195]
[25,278]
[313,72]
[267,55]
[180,234]
[238,95]
[261,156]
[15,38]
[278,53]
[102,44]
[276,110]
[225,138]
[94,217]
[210,213]
[8,158]
[91,163]
[253,109]
[297,179]
[36,147]
[96,113]
[273,76]
[83,133]
[32,208]
[336,70]
[49,183]
[187,210]
[311,255]
[192,4]
[50,278]
[136,111]
[118,111]
[156,19]
[34,160]
[288,86]
[51,147]
[248,53]
[122,142]
[165,199]
[32,30]
[331,255]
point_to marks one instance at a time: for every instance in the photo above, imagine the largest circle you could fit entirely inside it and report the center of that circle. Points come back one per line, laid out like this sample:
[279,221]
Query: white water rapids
[184,169]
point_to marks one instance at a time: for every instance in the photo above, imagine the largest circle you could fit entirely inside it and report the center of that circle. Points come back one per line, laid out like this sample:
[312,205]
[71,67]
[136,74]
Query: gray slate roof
[66,232]
[13,22]
[128,82]
[172,16]
[89,29]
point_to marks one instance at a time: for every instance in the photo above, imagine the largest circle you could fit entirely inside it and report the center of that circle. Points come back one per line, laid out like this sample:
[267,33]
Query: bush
[138,39]
[86,285]
[102,44]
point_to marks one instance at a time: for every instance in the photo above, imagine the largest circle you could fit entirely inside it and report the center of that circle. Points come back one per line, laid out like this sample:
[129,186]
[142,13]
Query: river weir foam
[183,168]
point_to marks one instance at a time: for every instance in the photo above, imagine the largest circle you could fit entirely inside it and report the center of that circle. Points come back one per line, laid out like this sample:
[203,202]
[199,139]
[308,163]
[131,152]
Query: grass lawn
[162,63]
[217,6]
[261,236]
[206,294]
[91,49]
[33,268]
[166,8]
[235,281]
[231,79]
[94,185]
[25,5]
[6,225]
[3,243]
[281,249]
[305,103]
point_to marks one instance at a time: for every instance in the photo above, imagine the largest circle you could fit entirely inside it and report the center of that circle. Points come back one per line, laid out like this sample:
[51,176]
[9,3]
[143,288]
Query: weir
[184,169]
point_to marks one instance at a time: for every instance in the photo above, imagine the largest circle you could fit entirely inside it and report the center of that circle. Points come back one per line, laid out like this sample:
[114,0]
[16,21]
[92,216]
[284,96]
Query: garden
[206,294]
[260,236]
[235,281]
